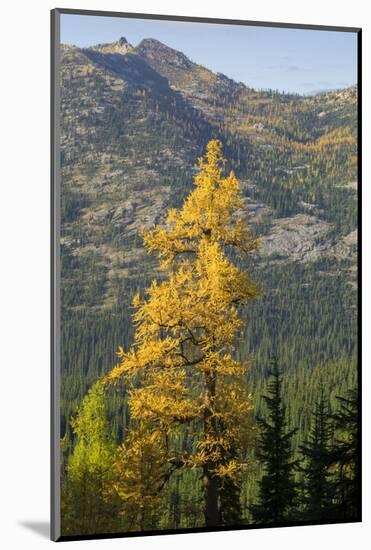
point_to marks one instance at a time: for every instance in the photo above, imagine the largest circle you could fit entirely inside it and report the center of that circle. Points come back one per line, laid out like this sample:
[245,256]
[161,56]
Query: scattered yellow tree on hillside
[181,366]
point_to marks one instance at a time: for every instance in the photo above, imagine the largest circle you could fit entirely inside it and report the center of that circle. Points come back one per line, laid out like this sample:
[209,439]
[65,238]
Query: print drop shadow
[42,528]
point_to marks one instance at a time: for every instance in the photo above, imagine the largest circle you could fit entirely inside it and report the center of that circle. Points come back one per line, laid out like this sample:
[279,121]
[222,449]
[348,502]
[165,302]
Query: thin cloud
[287,68]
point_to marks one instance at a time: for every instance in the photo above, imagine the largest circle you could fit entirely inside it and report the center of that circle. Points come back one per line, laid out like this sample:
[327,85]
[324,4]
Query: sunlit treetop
[207,214]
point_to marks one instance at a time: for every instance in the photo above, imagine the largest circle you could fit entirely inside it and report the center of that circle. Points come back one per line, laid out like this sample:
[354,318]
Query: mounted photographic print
[205,299]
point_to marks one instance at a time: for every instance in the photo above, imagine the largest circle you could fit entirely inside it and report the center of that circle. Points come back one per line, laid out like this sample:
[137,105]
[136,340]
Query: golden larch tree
[181,367]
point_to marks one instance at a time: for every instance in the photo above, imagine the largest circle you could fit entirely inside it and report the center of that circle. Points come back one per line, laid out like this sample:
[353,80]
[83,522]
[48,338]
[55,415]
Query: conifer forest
[209,346]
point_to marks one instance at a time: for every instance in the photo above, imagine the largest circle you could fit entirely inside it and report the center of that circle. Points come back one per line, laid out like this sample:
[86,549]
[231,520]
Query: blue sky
[294,60]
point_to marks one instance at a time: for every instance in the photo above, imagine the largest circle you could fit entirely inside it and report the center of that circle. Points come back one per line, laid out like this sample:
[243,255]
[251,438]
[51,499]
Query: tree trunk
[211,491]
[210,482]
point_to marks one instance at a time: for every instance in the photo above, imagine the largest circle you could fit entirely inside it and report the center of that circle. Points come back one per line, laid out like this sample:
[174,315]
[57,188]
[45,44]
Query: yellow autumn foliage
[181,368]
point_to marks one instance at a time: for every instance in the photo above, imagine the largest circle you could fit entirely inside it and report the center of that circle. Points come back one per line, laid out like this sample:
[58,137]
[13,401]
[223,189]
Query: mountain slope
[134,121]
[129,127]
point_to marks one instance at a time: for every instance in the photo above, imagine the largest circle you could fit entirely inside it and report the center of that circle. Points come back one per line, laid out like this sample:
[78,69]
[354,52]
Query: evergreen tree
[230,502]
[317,491]
[277,488]
[344,457]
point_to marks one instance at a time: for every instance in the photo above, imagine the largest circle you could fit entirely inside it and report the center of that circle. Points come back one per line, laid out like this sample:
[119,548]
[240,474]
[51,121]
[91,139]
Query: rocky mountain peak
[122,46]
[155,50]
